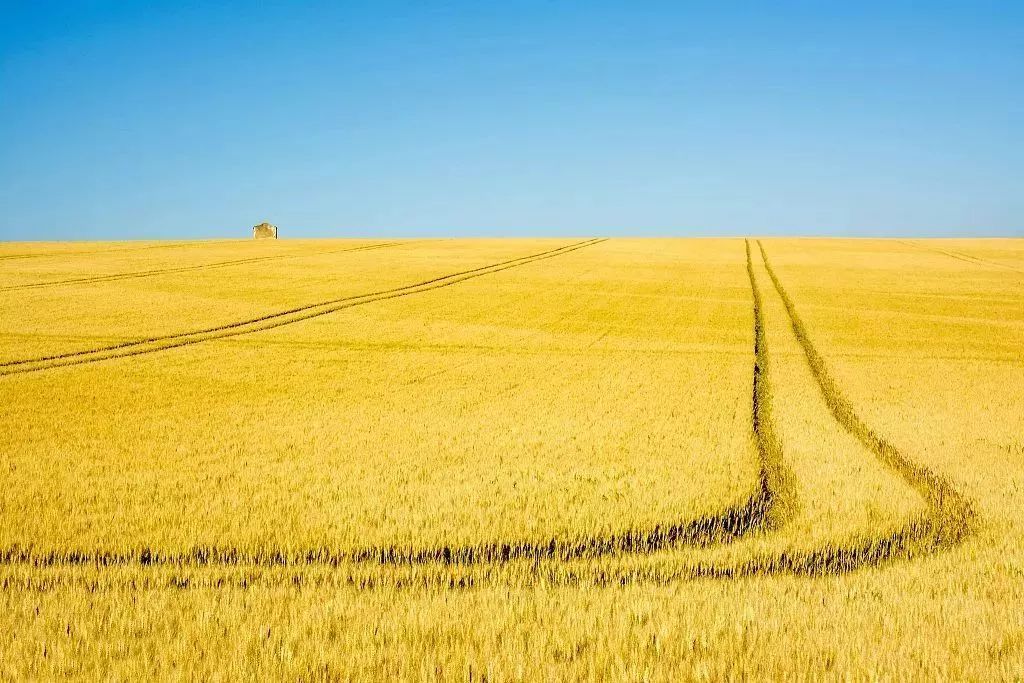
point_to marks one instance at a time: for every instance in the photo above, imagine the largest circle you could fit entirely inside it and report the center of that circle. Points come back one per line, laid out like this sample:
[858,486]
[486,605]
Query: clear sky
[158,119]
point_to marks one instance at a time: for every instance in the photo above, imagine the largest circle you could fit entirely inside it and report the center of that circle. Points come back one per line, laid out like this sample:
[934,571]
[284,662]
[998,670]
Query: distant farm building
[264,231]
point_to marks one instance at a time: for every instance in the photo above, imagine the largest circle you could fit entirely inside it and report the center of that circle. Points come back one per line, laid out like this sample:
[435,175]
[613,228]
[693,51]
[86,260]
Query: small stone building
[264,231]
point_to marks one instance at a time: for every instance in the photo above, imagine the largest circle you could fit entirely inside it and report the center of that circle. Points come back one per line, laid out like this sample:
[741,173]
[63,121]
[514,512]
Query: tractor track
[61,254]
[772,502]
[269,321]
[114,277]
[952,515]
[948,520]
[966,258]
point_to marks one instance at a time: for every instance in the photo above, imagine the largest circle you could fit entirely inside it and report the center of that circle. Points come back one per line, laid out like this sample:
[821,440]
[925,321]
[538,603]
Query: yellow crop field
[512,459]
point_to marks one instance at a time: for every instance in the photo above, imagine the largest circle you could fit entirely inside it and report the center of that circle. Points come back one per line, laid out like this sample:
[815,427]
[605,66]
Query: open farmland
[513,459]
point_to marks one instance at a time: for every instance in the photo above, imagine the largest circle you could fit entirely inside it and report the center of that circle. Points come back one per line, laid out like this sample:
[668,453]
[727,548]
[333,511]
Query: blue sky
[146,120]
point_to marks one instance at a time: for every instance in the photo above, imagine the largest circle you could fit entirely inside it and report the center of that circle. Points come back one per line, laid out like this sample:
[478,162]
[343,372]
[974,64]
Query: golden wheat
[513,459]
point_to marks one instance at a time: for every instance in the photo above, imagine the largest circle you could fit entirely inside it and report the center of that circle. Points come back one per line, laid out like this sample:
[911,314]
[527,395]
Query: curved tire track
[948,520]
[952,515]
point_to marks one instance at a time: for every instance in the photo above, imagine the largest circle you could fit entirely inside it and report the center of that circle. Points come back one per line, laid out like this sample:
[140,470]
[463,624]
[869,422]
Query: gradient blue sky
[149,119]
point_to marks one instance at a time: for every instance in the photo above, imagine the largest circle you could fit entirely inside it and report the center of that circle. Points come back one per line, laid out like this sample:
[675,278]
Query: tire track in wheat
[271,320]
[961,256]
[947,521]
[92,252]
[952,514]
[114,277]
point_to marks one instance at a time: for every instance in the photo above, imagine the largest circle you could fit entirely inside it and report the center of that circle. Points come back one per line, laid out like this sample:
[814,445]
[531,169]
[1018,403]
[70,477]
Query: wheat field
[522,459]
